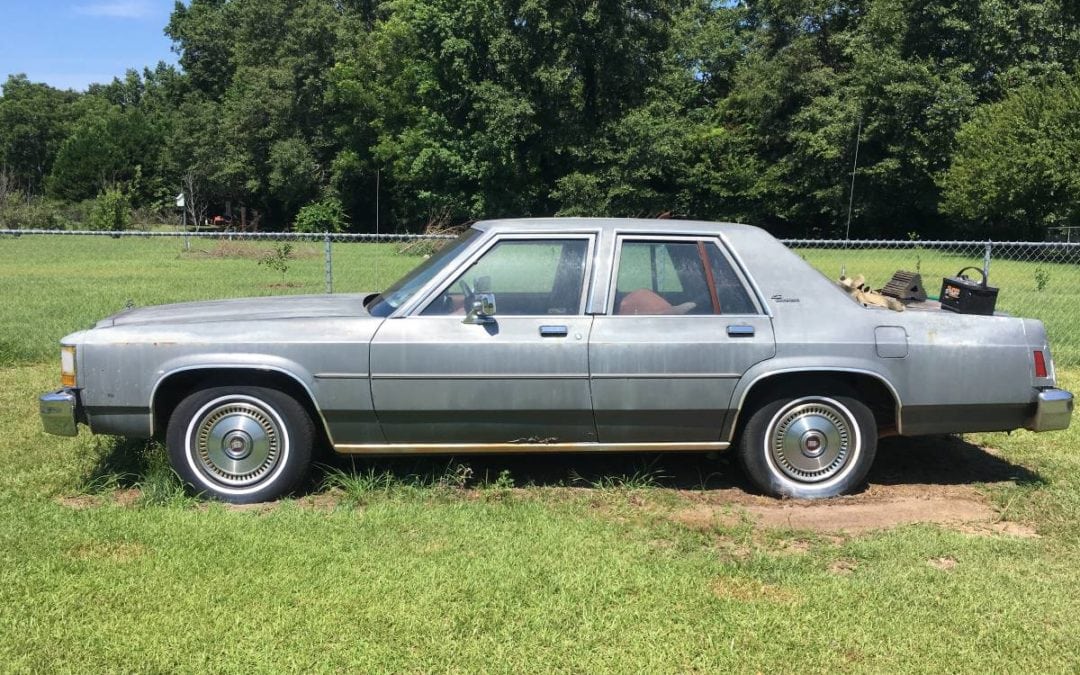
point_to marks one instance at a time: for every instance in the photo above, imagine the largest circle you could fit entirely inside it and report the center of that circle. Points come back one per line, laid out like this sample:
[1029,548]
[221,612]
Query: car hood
[244,309]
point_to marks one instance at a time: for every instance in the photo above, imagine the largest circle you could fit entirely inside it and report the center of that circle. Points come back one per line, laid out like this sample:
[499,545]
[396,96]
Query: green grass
[55,285]
[453,564]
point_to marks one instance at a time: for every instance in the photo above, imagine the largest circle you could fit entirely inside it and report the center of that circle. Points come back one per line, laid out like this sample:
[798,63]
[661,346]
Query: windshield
[386,302]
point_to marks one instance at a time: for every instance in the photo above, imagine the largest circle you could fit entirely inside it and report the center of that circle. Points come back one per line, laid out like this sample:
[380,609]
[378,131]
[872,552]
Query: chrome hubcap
[236,442]
[812,441]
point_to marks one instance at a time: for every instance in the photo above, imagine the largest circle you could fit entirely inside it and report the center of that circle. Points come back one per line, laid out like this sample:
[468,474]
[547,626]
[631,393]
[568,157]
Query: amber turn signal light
[67,366]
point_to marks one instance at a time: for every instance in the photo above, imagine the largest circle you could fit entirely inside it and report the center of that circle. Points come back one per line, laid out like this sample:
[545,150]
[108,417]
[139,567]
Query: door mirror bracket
[481,310]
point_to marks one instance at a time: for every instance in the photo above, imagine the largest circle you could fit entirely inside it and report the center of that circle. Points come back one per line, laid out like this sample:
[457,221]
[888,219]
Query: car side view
[558,335]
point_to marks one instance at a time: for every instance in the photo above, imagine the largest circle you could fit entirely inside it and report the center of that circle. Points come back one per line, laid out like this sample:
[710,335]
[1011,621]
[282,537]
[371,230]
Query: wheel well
[178,386]
[867,388]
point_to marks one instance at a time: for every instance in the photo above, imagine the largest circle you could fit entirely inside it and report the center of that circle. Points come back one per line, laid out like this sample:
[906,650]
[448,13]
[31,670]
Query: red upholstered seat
[644,301]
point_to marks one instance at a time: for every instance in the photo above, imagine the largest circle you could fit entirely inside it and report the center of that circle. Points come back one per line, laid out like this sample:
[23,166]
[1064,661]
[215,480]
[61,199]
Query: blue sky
[72,43]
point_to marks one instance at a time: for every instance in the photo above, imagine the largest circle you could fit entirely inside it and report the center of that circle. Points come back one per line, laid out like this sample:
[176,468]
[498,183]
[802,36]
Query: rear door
[681,327]
[521,377]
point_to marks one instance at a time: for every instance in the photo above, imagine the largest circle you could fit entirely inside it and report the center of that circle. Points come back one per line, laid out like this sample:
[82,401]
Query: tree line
[959,117]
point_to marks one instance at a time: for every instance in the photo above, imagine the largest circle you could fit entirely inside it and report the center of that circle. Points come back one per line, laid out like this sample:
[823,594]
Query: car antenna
[851,198]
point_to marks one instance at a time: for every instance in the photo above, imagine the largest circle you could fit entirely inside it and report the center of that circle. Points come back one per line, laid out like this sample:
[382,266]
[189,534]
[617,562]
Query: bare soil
[939,480]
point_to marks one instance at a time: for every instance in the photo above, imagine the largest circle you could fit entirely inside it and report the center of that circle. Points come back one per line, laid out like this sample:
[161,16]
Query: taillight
[1040,364]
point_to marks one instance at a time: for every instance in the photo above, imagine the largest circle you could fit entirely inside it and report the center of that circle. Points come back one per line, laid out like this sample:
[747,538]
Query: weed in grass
[120,463]
[642,479]
[498,489]
[358,488]
[1042,279]
[455,477]
[127,463]
[362,487]
[159,485]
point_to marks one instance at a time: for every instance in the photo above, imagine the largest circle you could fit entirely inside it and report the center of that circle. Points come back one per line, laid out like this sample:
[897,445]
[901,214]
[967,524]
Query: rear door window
[678,277]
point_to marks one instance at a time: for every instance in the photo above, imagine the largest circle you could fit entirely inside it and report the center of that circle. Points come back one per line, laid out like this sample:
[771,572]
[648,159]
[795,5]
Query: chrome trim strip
[340,376]
[478,448]
[479,376]
[666,376]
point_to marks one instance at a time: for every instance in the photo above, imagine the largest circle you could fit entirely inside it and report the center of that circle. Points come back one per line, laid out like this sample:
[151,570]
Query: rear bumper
[1053,410]
[60,412]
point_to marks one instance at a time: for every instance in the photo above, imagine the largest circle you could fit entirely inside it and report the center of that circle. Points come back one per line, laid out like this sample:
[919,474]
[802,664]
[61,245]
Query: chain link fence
[1036,279]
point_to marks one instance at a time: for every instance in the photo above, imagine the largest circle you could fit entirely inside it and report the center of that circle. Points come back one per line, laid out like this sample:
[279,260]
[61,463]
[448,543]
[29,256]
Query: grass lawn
[565,563]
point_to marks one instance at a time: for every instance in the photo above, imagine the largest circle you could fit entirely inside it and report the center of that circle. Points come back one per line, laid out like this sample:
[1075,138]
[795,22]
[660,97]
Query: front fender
[234,361]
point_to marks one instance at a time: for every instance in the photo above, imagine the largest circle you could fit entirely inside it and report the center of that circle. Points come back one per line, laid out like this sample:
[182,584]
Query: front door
[681,329]
[519,375]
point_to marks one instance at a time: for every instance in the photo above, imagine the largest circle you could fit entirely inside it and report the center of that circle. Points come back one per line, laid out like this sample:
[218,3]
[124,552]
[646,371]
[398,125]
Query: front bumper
[60,412]
[1053,410]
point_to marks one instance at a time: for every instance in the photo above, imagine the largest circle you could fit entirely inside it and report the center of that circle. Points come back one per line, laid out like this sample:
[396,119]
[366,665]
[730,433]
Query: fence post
[986,262]
[329,255]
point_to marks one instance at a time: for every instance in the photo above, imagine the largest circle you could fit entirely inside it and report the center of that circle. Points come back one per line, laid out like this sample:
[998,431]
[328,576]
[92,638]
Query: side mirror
[482,309]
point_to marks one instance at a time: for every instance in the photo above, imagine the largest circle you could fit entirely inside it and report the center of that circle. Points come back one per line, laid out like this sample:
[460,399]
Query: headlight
[67,366]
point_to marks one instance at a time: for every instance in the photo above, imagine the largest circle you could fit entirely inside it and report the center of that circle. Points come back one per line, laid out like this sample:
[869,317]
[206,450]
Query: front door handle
[740,331]
[553,331]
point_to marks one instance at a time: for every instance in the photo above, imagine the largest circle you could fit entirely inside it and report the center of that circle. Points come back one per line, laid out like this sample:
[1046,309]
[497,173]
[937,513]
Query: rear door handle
[740,331]
[553,331]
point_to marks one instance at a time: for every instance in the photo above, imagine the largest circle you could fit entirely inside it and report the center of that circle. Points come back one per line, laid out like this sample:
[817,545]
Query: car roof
[645,225]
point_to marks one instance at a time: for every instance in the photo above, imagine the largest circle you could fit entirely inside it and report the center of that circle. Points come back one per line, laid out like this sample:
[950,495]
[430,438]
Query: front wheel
[240,444]
[809,446]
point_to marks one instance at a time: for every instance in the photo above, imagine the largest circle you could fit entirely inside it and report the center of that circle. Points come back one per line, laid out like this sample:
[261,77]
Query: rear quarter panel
[959,373]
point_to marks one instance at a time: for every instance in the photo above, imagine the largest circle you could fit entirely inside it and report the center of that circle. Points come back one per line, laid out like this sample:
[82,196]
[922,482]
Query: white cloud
[120,9]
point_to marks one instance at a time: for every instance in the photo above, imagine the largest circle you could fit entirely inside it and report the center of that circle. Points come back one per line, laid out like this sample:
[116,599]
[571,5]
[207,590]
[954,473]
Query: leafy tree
[107,146]
[34,120]
[1017,166]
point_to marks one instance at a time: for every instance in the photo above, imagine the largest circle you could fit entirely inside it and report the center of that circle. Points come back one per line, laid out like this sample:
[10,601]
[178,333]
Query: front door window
[522,277]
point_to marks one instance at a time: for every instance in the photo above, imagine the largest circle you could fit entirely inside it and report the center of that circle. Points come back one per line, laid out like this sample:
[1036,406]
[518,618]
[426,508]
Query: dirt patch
[748,590]
[879,508]
[227,249]
[79,502]
[114,551]
[843,567]
[1005,527]
[705,518]
[862,516]
[128,497]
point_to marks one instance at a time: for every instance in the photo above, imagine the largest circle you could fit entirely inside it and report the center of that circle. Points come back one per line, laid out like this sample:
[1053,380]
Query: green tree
[34,121]
[108,145]
[1017,167]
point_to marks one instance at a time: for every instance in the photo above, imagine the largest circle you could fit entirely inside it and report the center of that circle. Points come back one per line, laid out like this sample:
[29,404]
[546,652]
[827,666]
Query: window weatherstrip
[714,298]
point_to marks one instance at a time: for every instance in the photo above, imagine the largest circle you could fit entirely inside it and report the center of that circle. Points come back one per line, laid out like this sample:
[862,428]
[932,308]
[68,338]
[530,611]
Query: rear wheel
[240,444]
[809,446]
